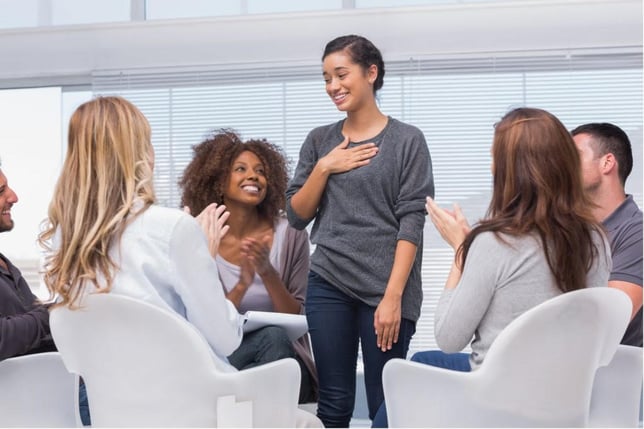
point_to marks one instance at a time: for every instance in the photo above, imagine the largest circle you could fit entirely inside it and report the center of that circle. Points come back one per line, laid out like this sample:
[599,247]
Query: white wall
[69,54]
[30,148]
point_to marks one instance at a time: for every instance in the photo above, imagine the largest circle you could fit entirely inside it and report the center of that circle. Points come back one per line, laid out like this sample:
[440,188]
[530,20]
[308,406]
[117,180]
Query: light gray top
[364,212]
[500,281]
[256,297]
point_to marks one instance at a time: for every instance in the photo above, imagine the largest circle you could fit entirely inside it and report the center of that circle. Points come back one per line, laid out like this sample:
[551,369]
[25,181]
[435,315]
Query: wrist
[322,169]
[393,293]
[268,273]
[242,286]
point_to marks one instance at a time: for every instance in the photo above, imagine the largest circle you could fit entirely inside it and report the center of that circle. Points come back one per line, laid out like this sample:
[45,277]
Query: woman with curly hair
[263,262]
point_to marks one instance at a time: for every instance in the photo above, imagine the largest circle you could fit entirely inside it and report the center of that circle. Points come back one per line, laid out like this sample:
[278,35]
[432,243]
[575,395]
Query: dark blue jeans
[269,344]
[264,345]
[83,403]
[337,322]
[437,358]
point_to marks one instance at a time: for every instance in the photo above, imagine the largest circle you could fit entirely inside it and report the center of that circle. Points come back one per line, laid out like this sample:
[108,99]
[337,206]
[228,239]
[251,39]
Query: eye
[240,168]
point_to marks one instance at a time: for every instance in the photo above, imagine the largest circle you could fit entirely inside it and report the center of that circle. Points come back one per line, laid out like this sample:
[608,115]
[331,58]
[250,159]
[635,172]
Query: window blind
[455,101]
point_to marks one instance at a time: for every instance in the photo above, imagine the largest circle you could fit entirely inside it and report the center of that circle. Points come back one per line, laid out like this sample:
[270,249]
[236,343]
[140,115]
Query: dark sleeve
[307,160]
[25,333]
[416,183]
[295,265]
[627,254]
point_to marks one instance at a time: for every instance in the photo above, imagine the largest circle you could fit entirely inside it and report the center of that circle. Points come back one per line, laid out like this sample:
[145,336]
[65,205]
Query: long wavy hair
[106,180]
[205,178]
[538,190]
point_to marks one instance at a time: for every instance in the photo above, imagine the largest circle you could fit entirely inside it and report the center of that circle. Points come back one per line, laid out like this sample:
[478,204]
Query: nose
[332,84]
[12,197]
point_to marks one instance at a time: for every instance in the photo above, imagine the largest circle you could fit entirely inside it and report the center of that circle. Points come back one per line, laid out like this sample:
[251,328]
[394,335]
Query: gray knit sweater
[365,211]
[500,281]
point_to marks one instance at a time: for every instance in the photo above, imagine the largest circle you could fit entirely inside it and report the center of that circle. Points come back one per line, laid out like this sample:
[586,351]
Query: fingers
[386,336]
[221,216]
[386,333]
[223,231]
[186,209]
[258,253]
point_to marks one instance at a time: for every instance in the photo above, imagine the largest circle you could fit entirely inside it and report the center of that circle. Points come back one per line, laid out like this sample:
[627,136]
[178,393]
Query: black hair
[609,138]
[362,52]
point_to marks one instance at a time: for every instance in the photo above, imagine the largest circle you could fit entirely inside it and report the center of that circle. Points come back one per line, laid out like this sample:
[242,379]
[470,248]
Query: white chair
[146,366]
[539,371]
[617,391]
[37,391]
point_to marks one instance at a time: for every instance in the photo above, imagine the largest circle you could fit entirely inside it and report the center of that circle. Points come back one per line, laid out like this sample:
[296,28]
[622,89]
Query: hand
[257,252]
[213,223]
[386,322]
[246,273]
[342,158]
[452,226]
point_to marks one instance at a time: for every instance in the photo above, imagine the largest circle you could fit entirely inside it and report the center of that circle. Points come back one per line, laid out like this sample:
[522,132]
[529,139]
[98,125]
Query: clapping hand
[257,253]
[213,223]
[451,225]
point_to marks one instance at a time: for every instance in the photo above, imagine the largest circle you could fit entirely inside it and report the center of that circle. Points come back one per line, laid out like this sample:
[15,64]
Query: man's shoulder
[627,216]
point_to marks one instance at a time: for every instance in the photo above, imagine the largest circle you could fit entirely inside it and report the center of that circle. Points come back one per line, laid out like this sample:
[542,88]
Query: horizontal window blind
[454,101]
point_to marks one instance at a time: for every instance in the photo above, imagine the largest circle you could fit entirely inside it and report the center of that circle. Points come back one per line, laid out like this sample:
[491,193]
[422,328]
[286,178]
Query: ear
[372,73]
[608,164]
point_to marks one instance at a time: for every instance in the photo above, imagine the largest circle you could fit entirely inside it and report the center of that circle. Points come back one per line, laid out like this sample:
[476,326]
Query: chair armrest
[273,389]
[419,395]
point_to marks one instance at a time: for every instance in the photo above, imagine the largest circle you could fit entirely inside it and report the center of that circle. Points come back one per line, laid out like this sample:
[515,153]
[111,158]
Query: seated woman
[106,235]
[263,262]
[539,240]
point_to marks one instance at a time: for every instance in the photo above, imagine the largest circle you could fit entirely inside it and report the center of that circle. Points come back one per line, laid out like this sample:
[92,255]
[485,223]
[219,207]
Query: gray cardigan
[364,212]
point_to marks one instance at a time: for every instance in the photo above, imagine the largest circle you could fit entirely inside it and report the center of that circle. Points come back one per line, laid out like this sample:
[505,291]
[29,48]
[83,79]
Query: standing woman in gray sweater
[363,180]
[539,240]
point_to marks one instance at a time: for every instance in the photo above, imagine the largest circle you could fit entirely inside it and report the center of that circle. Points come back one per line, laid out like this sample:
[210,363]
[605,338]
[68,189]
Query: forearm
[305,202]
[22,333]
[633,291]
[403,261]
[236,294]
[283,301]
[454,276]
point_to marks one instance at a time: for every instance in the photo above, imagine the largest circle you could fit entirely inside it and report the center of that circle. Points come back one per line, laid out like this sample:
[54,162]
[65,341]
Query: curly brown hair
[207,175]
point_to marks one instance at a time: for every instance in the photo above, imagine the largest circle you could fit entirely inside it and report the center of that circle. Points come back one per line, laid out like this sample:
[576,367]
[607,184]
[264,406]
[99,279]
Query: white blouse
[163,259]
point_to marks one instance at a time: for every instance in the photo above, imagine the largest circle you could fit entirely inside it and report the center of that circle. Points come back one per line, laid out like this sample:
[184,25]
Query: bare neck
[608,199]
[364,123]
[243,221]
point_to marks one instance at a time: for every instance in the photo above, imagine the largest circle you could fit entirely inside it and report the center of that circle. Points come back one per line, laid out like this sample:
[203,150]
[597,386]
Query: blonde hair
[108,167]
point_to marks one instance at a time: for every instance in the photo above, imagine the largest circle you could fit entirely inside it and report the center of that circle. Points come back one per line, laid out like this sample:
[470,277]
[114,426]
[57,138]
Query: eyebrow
[336,69]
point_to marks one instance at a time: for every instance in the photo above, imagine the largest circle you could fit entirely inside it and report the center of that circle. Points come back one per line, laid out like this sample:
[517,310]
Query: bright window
[454,102]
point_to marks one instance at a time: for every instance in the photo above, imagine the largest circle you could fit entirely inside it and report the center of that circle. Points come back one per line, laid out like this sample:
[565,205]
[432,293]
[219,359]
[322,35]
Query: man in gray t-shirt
[606,161]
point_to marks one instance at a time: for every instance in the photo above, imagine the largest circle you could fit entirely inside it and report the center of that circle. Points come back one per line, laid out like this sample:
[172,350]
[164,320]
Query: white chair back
[617,391]
[146,366]
[37,391]
[538,372]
